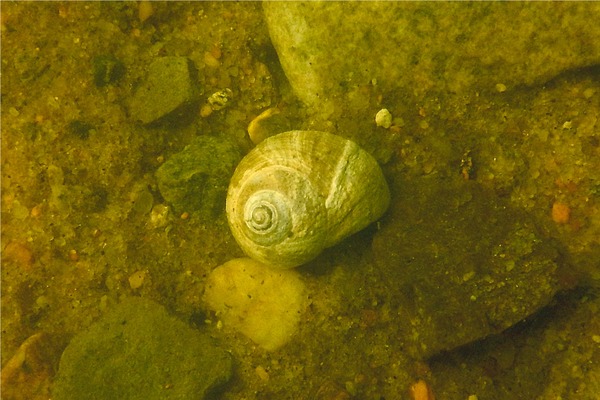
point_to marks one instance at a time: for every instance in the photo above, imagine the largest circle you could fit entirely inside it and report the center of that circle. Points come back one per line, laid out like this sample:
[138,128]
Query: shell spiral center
[267,217]
[260,218]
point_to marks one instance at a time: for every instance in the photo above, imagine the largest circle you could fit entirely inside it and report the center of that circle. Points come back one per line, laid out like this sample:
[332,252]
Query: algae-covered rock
[169,90]
[139,351]
[463,264]
[196,178]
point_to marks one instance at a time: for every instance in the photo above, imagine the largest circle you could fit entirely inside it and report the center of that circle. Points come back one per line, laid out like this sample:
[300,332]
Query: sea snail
[299,192]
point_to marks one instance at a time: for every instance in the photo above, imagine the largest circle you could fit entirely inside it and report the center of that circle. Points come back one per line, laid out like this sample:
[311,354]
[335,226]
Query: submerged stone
[462,264]
[196,179]
[413,47]
[139,351]
[168,91]
[263,303]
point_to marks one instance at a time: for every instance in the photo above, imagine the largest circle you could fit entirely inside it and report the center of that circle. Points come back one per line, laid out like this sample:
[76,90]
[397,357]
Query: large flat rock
[329,49]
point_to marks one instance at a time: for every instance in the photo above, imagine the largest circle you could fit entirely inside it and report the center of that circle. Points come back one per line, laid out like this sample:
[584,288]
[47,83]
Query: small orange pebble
[420,390]
[36,211]
[185,215]
[205,110]
[560,212]
[216,51]
[73,255]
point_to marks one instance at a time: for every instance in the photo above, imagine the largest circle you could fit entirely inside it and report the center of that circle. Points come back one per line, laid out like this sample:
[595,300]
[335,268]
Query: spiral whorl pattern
[299,192]
[267,217]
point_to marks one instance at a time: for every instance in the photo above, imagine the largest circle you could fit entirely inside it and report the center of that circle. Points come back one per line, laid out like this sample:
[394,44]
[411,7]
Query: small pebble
[36,211]
[420,390]
[19,253]
[210,60]
[560,213]
[500,87]
[205,110]
[383,118]
[219,100]
[262,373]
[73,255]
[168,90]
[269,123]
[467,277]
[136,280]
[159,216]
[145,10]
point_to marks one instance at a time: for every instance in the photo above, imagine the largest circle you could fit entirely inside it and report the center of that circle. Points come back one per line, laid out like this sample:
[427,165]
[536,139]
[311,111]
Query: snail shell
[300,192]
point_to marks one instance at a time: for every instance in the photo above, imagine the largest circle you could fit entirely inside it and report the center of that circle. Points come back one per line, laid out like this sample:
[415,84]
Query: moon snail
[299,192]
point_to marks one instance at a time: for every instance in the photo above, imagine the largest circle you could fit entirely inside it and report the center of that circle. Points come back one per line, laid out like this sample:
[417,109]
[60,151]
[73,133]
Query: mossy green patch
[196,178]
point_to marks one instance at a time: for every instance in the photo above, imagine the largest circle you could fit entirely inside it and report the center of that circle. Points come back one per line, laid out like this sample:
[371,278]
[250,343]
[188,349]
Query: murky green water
[482,277]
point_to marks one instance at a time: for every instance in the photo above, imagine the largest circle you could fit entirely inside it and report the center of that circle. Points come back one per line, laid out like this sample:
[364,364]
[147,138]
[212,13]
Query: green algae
[196,179]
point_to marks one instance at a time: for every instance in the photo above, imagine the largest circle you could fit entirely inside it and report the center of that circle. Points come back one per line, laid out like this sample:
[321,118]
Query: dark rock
[107,69]
[139,351]
[80,129]
[462,263]
[86,199]
[168,92]
[196,178]
[549,352]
